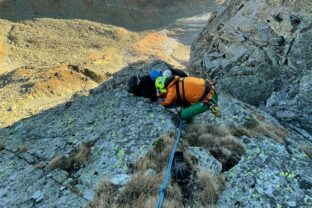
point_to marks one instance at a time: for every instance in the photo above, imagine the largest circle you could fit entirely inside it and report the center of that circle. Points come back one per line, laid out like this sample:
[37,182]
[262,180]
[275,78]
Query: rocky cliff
[58,157]
[260,52]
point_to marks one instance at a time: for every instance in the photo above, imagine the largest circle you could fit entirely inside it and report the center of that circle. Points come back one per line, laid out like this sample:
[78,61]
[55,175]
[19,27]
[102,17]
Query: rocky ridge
[260,52]
[111,129]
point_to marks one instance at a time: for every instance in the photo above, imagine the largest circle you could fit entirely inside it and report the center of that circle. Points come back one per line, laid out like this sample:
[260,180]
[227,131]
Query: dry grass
[231,143]
[42,42]
[22,149]
[157,45]
[307,150]
[260,127]
[105,195]
[140,192]
[61,80]
[210,137]
[76,158]
[209,188]
[136,193]
[39,90]
[82,153]
[2,51]
[210,129]
[59,162]
[221,144]
[157,158]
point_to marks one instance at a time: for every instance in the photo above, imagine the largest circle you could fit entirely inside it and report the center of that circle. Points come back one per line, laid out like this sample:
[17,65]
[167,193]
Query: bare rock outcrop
[260,52]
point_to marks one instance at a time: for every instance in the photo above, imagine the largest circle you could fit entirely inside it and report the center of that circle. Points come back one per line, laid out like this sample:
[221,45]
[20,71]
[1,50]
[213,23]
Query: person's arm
[170,98]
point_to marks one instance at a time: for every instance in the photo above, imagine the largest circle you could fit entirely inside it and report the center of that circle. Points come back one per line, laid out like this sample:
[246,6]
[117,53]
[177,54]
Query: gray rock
[120,180]
[290,104]
[37,196]
[150,172]
[206,162]
[88,194]
[21,182]
[60,176]
[268,176]
[260,52]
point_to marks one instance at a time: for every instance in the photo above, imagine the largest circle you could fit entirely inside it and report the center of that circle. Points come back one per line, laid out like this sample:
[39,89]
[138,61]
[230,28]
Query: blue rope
[165,183]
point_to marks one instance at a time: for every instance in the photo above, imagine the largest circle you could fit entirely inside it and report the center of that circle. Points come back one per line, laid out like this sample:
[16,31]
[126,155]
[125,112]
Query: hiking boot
[215,110]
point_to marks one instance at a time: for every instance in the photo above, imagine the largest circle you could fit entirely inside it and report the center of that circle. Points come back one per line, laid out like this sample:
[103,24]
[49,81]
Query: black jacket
[178,72]
[142,86]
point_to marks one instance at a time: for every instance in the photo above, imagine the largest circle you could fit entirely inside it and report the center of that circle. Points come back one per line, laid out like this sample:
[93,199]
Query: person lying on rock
[144,86]
[195,95]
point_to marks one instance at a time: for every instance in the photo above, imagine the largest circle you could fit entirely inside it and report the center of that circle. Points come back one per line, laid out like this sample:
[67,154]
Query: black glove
[180,170]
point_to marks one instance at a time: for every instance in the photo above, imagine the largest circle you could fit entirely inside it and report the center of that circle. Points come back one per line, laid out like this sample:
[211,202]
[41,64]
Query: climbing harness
[169,166]
[180,99]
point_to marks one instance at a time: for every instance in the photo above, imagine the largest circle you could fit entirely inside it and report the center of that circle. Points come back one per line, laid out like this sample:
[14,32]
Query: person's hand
[180,170]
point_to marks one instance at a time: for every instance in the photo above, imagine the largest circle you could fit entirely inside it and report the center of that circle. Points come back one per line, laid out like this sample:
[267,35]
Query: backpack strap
[181,99]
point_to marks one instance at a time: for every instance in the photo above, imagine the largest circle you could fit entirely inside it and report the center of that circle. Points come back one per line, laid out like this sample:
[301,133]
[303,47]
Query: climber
[196,95]
[144,86]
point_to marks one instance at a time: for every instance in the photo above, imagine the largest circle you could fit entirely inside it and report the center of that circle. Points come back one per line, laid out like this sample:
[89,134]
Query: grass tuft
[221,144]
[105,195]
[22,149]
[209,188]
[136,193]
[140,192]
[260,127]
[157,158]
[307,150]
[59,162]
[77,158]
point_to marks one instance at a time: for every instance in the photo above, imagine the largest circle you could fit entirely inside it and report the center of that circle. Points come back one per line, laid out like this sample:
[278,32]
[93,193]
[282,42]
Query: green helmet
[160,85]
